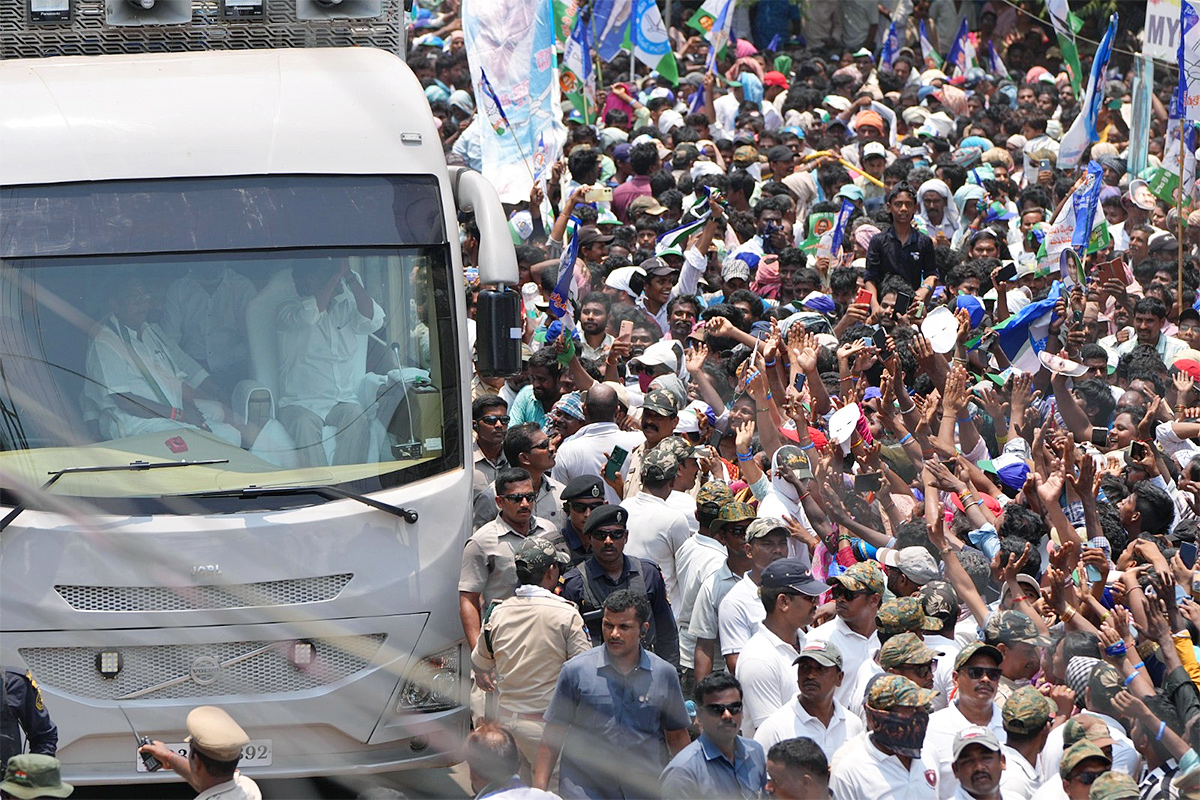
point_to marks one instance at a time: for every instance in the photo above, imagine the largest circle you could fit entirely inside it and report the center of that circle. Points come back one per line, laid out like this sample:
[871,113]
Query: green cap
[973,649]
[679,446]
[660,464]
[894,691]
[34,775]
[1114,785]
[827,654]
[1089,727]
[796,460]
[1026,711]
[1077,754]
[905,649]
[940,600]
[536,554]
[661,402]
[865,575]
[1013,627]
[1103,685]
[904,614]
[714,492]
[733,511]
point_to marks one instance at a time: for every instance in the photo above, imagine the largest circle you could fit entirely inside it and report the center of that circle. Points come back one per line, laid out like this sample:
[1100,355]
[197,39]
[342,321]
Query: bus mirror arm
[497,256]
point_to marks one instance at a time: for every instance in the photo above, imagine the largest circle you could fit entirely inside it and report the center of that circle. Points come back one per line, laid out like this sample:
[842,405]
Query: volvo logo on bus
[205,570]
[204,670]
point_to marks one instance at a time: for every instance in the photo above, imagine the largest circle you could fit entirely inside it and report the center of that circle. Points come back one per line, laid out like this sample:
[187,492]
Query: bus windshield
[297,329]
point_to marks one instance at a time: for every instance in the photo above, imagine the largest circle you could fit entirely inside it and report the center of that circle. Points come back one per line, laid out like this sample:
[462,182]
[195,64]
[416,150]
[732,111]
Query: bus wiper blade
[133,466]
[327,492]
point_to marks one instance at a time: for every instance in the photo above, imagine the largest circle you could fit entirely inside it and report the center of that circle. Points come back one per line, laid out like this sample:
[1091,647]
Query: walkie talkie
[152,763]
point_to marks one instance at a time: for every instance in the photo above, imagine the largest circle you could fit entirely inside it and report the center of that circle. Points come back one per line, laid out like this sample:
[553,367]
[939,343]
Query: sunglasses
[543,446]
[842,591]
[978,673]
[1087,778]
[616,536]
[492,419]
[719,709]
[921,670]
[580,508]
[528,497]
[738,531]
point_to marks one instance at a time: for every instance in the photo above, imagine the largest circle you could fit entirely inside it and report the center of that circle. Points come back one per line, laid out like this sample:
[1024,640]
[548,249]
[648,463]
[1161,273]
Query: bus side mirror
[498,327]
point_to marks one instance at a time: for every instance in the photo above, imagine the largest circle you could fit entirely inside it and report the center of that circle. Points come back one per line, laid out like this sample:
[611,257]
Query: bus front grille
[177,671]
[191,598]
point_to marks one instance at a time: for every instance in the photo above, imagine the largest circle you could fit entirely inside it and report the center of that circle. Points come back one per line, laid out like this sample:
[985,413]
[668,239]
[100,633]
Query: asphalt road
[434,784]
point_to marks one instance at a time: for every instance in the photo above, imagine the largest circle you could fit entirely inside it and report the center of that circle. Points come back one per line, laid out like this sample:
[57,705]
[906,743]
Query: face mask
[644,379]
[904,736]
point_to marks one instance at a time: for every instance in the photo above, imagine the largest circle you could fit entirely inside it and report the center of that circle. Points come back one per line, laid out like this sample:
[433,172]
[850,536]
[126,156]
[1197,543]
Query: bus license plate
[256,754]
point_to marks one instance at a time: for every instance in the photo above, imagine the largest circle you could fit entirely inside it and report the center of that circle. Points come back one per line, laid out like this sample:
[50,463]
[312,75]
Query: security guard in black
[22,710]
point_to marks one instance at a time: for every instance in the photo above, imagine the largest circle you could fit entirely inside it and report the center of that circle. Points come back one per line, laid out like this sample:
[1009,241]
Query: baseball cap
[735,268]
[662,353]
[645,204]
[733,511]
[1077,754]
[940,600]
[904,614]
[775,78]
[851,192]
[746,154]
[535,554]
[660,464]
[1009,467]
[968,652]
[1114,785]
[661,402]
[656,266]
[214,733]
[780,152]
[827,654]
[974,734]
[32,775]
[1026,711]
[904,649]
[1013,627]
[1077,730]
[862,576]
[872,150]
[589,234]
[764,526]
[897,691]
[606,516]
[680,447]
[583,487]
[796,460]
[714,492]
[915,562]
[790,573]
[620,152]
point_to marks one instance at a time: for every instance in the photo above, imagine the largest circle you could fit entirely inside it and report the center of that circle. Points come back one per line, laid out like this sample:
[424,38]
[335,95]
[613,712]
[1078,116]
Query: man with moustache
[978,764]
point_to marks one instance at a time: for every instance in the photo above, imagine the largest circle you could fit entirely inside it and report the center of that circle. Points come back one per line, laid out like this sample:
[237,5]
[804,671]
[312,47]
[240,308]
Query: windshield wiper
[327,492]
[133,466]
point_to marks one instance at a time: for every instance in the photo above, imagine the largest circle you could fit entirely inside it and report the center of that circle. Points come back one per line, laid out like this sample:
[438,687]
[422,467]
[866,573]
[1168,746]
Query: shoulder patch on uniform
[41,706]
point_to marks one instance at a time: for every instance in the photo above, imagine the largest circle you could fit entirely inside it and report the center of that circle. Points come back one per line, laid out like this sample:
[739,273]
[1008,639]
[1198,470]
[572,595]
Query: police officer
[22,709]
[609,569]
[525,641]
[210,767]
[583,495]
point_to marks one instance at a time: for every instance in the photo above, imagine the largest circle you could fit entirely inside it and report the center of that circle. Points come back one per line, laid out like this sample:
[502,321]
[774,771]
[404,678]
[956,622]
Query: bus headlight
[108,663]
[432,683]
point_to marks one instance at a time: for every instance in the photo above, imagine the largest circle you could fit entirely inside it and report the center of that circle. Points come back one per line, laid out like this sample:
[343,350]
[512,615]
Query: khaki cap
[214,733]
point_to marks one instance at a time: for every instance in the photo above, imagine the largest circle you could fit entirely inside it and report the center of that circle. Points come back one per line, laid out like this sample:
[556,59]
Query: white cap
[874,149]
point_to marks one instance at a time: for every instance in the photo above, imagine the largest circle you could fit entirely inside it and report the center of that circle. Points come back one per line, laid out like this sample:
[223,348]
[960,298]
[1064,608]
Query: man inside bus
[205,314]
[319,374]
[140,380]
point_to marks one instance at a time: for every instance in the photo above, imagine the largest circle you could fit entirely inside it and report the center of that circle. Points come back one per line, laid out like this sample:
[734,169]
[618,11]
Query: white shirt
[685,504]
[939,738]
[655,532]
[696,561]
[767,673]
[704,623]
[317,368]
[855,648]
[793,721]
[1125,756]
[943,674]
[739,615]
[1020,779]
[861,771]
[858,692]
[583,453]
[1051,790]
[240,788]
[211,328]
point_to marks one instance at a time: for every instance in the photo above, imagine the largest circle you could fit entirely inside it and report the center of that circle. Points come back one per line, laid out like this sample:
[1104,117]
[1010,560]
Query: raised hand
[695,357]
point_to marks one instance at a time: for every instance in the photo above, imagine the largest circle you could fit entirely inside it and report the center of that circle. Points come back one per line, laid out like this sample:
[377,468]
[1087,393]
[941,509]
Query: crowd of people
[807,504]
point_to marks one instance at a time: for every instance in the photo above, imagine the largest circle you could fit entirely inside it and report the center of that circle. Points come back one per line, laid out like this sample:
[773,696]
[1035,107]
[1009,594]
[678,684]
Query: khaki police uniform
[488,566]
[215,734]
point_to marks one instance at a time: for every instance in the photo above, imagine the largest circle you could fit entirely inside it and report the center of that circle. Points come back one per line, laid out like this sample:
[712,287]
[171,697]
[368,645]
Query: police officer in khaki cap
[211,764]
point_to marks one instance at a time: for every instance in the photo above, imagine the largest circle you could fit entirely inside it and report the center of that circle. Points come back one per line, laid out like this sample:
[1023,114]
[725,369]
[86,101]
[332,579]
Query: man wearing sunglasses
[730,528]
[489,416]
[857,594]
[719,764]
[1015,635]
[976,678]
[1081,765]
[580,497]
[609,570]
[527,446]
[696,561]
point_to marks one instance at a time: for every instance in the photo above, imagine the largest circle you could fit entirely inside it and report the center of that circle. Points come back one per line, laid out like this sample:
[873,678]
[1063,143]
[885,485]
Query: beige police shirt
[528,638]
[488,566]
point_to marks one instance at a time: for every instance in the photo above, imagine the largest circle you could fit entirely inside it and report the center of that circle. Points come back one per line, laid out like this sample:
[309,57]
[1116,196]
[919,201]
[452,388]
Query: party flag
[1083,130]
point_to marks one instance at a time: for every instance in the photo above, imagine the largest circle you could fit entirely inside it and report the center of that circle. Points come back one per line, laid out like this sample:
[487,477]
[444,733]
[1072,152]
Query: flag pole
[1179,237]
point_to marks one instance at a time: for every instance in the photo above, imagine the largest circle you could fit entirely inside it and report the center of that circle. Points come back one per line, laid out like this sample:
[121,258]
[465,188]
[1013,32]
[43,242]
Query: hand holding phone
[616,460]
[863,297]
[625,333]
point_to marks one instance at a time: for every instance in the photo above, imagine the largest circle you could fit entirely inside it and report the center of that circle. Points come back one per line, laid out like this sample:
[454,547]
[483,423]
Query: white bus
[234,397]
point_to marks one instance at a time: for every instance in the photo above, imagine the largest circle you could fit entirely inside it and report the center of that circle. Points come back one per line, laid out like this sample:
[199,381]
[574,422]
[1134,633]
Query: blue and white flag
[1024,334]
[1189,60]
[891,46]
[929,53]
[611,21]
[776,40]
[839,226]
[1085,199]
[560,306]
[1083,129]
[577,76]
[718,35]
[995,64]
[962,52]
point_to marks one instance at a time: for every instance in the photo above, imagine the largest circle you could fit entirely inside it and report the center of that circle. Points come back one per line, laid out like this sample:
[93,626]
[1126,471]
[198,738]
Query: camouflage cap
[863,576]
[940,600]
[536,554]
[733,511]
[765,526]
[660,464]
[1114,785]
[1026,711]
[1103,685]
[716,493]
[661,402]
[904,614]
[746,154]
[894,691]
[1076,754]
[905,649]
[1089,727]
[679,446]
[796,460]
[1013,627]
[973,649]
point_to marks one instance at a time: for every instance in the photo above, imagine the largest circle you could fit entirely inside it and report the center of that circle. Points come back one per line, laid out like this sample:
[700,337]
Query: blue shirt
[702,770]
[526,408]
[615,745]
